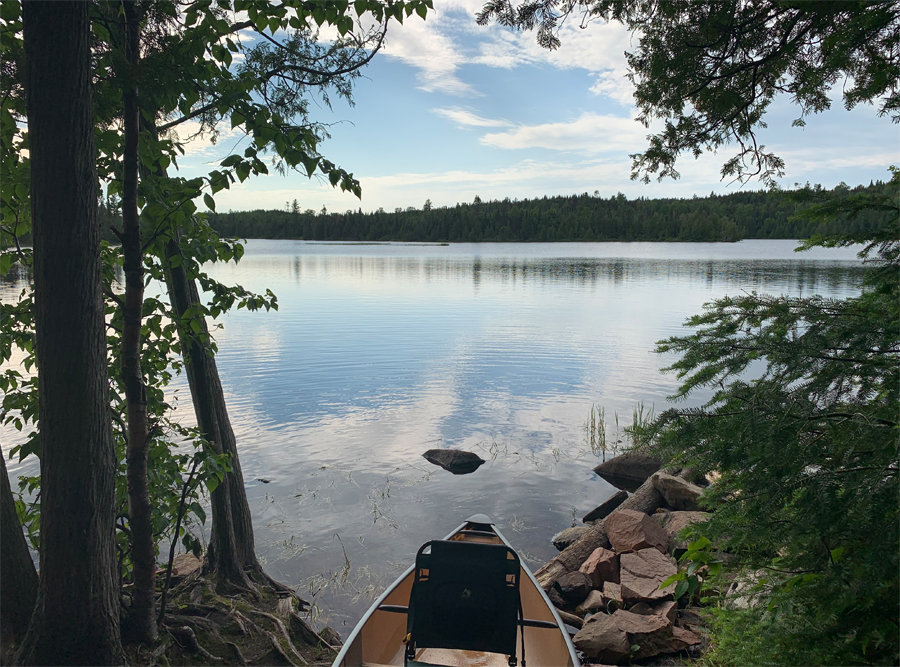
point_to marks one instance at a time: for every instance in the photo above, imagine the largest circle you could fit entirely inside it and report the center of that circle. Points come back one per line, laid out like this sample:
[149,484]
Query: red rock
[629,530]
[602,639]
[593,602]
[641,573]
[574,587]
[678,493]
[667,609]
[612,595]
[674,522]
[602,636]
[602,565]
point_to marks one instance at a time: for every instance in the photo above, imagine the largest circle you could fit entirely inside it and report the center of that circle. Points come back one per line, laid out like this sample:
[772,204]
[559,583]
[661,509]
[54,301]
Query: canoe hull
[377,639]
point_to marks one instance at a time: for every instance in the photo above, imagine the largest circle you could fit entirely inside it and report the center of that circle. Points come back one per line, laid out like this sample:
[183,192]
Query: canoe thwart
[396,608]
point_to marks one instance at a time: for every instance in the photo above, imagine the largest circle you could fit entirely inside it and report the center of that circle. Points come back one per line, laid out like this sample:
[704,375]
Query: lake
[380,352]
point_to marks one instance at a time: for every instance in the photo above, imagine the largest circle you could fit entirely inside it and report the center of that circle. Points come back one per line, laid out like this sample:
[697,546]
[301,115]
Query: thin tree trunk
[141,625]
[212,418]
[223,556]
[18,578]
[76,616]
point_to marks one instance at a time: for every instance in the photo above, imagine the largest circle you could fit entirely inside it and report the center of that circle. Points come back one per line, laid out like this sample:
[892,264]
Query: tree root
[237,651]
[187,638]
[283,630]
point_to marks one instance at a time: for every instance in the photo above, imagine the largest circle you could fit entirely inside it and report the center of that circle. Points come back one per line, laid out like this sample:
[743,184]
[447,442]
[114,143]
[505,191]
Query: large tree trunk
[141,626]
[225,548]
[18,578]
[76,617]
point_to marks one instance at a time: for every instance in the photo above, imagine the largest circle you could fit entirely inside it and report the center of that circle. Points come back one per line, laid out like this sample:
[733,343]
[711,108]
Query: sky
[450,110]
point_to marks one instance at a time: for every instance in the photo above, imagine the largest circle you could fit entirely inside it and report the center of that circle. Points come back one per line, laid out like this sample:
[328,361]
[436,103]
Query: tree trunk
[76,616]
[18,578]
[141,626]
[646,499]
[224,556]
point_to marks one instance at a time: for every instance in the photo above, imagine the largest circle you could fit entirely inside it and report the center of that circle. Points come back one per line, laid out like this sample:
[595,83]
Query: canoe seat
[465,595]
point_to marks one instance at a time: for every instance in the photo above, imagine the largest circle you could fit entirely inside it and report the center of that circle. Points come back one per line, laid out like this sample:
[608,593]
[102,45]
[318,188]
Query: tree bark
[18,578]
[141,626]
[224,557]
[646,499]
[76,616]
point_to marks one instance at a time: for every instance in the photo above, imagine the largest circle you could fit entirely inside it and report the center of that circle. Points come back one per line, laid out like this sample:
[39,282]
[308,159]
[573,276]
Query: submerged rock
[454,460]
[629,470]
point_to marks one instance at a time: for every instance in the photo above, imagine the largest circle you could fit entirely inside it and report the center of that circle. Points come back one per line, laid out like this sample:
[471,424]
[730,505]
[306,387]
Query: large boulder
[606,508]
[644,636]
[674,522]
[629,530]
[629,470]
[602,565]
[454,460]
[573,587]
[602,639]
[678,493]
[564,538]
[642,572]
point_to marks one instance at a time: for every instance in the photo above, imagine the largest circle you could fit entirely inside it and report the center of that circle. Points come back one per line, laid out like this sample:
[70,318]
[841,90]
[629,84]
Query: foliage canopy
[710,70]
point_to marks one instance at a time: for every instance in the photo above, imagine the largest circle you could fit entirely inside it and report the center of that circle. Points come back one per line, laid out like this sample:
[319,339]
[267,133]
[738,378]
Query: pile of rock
[608,577]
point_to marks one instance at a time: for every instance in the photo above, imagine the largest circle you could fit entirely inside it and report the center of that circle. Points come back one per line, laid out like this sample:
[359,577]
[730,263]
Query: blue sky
[450,110]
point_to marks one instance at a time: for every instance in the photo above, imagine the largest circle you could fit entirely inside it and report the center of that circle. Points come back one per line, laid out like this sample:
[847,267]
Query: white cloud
[201,147]
[591,133]
[469,119]
[449,38]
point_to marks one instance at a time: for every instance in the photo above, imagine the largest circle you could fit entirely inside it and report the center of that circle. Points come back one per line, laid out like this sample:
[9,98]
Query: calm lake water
[380,352]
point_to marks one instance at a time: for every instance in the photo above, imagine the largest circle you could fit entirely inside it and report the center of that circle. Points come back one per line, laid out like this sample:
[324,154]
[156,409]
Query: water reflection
[378,353]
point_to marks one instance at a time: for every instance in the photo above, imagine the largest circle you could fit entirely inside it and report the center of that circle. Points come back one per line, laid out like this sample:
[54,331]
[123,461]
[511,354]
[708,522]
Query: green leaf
[210,202]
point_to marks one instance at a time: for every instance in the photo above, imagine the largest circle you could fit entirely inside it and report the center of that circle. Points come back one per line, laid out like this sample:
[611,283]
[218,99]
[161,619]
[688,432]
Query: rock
[454,460]
[185,564]
[674,522]
[641,573]
[573,587]
[667,609]
[688,617]
[631,531]
[570,619]
[331,636]
[650,635]
[629,470]
[602,565]
[606,508]
[593,602]
[686,636]
[678,493]
[602,639]
[564,538]
[556,598]
[612,596]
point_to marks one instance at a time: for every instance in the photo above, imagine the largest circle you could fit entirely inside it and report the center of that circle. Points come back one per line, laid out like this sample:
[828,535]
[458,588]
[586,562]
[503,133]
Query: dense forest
[732,217]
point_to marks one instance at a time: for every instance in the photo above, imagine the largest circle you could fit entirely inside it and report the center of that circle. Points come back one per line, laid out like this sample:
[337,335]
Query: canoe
[378,638]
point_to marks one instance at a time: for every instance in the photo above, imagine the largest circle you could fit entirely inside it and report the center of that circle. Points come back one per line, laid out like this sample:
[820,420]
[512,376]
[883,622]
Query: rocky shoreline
[607,579]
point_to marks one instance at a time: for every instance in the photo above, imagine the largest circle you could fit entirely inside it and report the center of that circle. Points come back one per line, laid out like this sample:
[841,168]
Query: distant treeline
[732,217]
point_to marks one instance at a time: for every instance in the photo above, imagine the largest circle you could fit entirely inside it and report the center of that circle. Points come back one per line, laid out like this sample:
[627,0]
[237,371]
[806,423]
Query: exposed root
[284,633]
[237,651]
[186,638]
